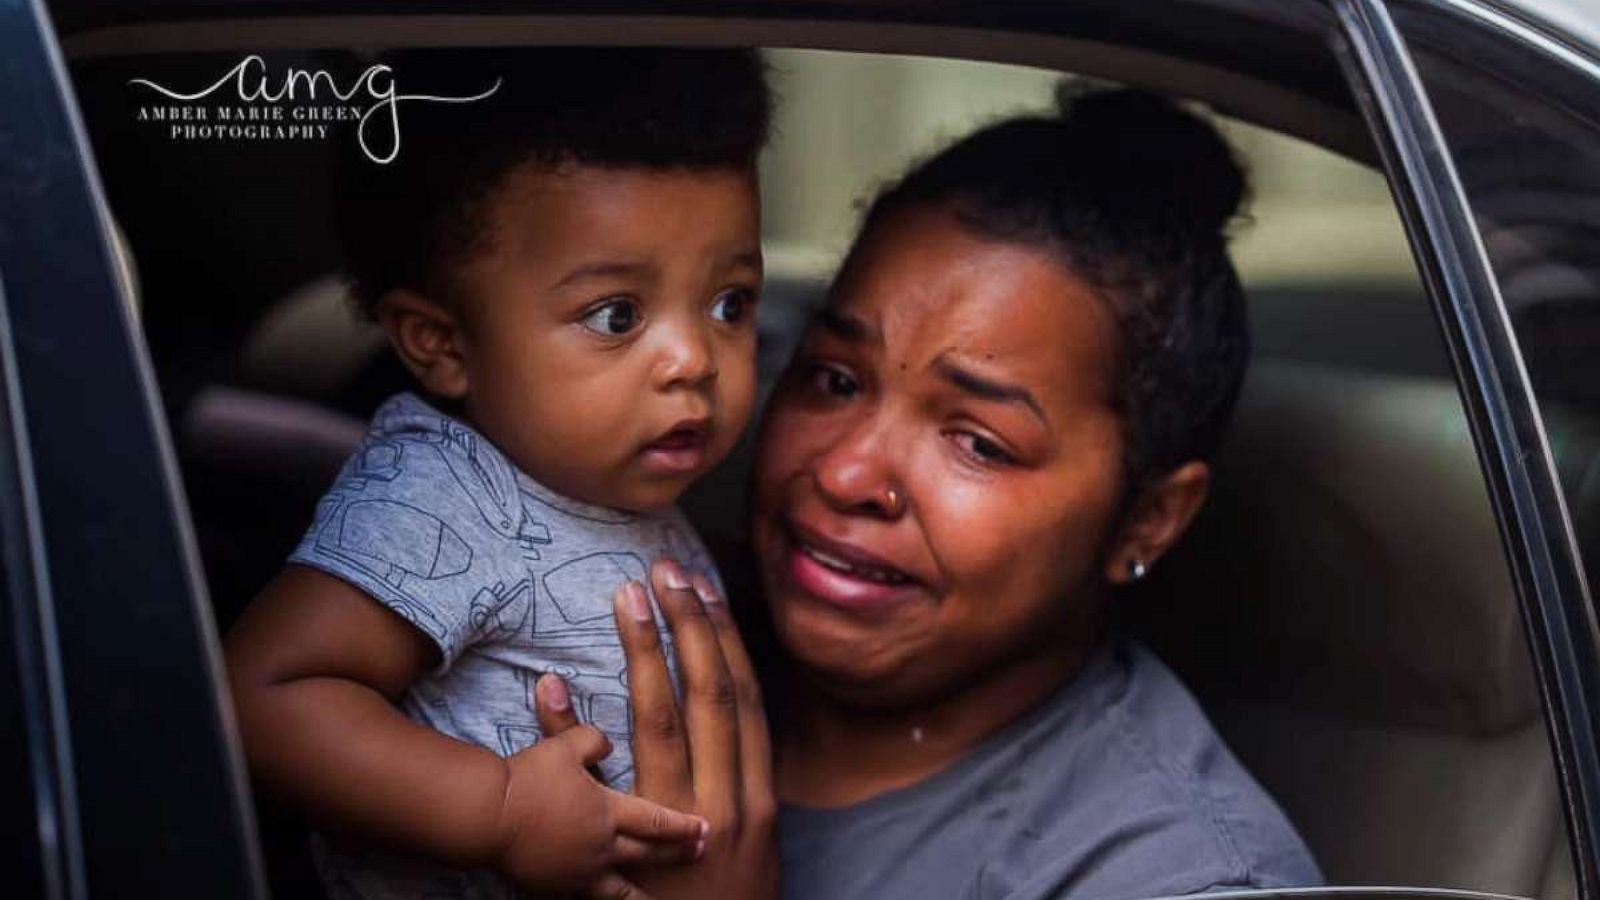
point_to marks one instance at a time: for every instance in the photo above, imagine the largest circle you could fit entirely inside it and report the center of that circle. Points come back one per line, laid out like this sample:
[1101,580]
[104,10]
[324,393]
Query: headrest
[269,442]
[310,342]
[1347,561]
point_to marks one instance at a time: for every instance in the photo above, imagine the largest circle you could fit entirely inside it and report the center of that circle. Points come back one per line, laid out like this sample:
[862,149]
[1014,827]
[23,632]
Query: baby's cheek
[738,394]
[741,405]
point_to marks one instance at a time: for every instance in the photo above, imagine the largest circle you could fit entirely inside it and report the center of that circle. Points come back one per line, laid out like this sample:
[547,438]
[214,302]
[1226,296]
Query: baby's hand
[566,833]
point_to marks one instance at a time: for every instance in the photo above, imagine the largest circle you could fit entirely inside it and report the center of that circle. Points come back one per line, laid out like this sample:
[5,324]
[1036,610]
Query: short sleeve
[401,524]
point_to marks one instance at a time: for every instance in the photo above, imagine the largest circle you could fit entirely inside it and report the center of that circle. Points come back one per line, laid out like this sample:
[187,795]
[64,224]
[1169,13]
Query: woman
[1003,413]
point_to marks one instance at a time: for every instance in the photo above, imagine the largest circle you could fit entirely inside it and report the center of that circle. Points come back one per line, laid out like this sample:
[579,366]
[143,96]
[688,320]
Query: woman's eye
[983,449]
[613,318]
[833,382]
[733,305]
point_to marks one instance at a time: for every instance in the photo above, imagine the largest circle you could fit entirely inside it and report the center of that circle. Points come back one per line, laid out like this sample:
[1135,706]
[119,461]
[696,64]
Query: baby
[569,271]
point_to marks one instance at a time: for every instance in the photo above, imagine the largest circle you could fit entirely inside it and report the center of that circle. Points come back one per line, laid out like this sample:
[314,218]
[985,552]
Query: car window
[1343,608]
[1322,251]
[1523,128]
[1350,521]
[862,117]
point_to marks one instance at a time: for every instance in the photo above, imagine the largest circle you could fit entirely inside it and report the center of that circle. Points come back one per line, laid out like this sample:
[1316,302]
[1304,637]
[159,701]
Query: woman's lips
[681,449]
[841,574]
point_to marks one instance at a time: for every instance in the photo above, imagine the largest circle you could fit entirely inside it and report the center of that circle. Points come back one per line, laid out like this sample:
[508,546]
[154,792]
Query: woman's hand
[712,757]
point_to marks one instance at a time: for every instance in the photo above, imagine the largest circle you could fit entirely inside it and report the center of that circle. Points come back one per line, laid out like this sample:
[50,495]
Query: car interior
[1342,607]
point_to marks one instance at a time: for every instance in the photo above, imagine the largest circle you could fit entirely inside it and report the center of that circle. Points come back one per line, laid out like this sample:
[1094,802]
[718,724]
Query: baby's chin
[633,485]
[643,493]
[651,489]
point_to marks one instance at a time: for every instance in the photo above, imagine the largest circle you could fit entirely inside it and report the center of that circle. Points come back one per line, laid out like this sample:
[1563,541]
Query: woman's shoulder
[1176,811]
[1115,787]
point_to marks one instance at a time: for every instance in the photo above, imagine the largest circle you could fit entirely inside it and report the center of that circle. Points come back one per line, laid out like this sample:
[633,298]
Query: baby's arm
[316,667]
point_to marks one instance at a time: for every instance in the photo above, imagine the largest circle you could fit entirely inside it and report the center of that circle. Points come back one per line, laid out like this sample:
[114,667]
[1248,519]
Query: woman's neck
[833,753]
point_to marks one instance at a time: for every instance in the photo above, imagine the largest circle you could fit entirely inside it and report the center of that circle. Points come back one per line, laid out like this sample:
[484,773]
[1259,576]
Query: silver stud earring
[1137,569]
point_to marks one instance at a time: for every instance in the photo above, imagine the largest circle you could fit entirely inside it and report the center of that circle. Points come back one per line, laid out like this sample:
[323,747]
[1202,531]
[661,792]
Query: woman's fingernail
[700,848]
[555,693]
[638,603]
[708,593]
[673,575]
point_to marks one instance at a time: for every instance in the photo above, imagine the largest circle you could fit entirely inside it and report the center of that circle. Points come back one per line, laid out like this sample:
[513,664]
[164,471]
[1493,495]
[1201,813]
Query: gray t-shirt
[508,578]
[1116,788]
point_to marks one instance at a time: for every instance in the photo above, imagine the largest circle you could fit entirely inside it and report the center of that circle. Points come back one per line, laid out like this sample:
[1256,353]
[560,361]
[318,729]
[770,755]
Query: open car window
[1344,609]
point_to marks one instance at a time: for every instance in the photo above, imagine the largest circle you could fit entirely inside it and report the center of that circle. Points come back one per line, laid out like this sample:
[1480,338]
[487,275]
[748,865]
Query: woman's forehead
[926,290]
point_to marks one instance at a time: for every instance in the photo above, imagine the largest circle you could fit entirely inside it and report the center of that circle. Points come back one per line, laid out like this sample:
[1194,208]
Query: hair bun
[1161,152]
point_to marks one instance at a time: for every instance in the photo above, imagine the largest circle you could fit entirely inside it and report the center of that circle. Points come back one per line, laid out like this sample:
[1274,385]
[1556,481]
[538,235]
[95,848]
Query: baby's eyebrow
[604,269]
[750,259]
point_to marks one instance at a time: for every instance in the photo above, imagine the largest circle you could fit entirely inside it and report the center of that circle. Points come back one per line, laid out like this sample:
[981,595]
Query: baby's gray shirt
[508,578]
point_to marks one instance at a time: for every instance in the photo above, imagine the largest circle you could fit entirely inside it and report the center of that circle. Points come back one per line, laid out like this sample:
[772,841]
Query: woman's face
[939,469]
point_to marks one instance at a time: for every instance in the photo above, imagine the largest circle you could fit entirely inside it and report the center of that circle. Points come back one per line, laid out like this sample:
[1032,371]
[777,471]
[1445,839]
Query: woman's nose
[858,472]
[688,358]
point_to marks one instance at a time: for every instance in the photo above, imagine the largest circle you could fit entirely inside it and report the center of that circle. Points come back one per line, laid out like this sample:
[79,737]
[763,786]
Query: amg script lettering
[250,79]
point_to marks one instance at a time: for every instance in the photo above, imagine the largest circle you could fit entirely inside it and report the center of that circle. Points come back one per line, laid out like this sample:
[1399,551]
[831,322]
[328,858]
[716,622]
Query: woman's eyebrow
[844,326]
[988,388]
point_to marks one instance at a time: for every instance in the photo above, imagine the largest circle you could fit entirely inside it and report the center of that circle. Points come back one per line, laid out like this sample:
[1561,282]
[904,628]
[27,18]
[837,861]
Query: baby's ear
[428,339]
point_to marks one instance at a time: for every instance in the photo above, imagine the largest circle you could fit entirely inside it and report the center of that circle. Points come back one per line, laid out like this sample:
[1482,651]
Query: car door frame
[1508,432]
[137,785]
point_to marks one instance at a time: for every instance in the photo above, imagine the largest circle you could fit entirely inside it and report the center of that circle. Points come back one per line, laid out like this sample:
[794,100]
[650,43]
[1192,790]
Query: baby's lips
[677,440]
[684,435]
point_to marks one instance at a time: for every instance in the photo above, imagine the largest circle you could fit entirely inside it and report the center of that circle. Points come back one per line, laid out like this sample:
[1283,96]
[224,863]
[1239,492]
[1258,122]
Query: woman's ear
[1160,516]
[428,339]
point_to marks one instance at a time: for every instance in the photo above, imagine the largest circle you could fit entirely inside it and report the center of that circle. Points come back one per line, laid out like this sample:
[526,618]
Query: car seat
[1343,609]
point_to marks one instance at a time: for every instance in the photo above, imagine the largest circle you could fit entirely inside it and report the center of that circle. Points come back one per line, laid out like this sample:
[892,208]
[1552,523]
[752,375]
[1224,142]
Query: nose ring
[891,500]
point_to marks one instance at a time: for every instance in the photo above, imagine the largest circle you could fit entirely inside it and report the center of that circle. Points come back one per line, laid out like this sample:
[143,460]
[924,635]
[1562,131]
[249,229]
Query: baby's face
[608,327]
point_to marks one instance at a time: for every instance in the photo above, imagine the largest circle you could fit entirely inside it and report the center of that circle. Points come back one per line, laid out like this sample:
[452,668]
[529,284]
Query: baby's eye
[733,305]
[832,381]
[615,317]
[981,449]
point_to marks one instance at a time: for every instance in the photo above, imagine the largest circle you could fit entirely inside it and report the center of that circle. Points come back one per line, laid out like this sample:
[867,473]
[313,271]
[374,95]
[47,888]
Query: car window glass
[1524,132]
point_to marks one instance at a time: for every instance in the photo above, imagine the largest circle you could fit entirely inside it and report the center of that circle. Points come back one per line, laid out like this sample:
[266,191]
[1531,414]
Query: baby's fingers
[587,743]
[553,705]
[639,818]
[612,886]
[627,851]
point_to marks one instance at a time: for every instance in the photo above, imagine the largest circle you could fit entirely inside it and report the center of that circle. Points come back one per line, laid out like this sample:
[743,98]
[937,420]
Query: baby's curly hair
[413,222]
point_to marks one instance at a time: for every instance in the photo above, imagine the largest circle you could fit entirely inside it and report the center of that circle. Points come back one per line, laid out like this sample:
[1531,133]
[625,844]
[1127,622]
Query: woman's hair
[413,222]
[1133,195]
